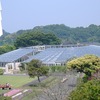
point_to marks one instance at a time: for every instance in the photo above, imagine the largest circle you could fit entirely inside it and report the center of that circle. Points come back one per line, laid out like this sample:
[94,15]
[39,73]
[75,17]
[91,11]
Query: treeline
[66,34]
[73,35]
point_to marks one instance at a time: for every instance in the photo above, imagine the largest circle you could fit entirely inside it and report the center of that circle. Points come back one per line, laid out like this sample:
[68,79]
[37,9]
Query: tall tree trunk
[38,78]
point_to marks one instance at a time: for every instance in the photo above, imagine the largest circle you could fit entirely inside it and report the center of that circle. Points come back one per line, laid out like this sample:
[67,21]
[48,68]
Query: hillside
[73,35]
[2,38]
[65,33]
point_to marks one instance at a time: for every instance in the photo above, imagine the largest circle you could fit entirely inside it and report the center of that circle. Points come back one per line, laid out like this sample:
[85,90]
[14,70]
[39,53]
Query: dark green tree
[35,68]
[36,38]
[87,91]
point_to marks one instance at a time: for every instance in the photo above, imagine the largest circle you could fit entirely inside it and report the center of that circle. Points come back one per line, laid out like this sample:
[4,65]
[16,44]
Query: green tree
[87,64]
[36,38]
[87,91]
[35,68]
[6,48]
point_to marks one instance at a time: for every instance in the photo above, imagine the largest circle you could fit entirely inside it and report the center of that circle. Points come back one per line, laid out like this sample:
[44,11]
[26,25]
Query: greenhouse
[11,61]
[48,56]
[59,56]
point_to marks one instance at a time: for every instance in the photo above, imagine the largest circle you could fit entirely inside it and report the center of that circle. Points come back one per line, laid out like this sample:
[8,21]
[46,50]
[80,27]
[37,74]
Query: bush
[87,91]
[58,69]
[1,71]
[85,78]
[5,98]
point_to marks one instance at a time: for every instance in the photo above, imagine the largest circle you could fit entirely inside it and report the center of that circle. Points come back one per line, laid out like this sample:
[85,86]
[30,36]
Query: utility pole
[1,32]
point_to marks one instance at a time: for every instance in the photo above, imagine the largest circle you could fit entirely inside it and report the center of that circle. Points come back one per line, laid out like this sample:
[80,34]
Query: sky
[26,14]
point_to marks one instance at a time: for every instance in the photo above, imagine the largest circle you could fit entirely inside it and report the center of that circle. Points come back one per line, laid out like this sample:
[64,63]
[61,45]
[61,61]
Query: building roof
[61,55]
[51,55]
[14,55]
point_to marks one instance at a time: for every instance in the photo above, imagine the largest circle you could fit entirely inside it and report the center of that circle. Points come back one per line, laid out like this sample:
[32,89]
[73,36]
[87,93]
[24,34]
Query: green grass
[19,81]
[15,81]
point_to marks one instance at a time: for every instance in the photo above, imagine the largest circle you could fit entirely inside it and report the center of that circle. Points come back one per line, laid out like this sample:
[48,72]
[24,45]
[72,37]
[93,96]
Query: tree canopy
[6,48]
[35,68]
[87,91]
[87,64]
[36,38]
[73,35]
[67,34]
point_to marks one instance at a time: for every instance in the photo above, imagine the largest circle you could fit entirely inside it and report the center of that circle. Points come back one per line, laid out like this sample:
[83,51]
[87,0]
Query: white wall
[11,67]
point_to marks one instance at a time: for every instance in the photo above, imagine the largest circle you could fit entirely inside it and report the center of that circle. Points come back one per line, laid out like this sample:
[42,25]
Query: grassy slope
[50,81]
[15,81]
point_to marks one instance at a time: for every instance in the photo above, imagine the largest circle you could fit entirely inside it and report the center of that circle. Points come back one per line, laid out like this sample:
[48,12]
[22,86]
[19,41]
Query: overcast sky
[26,14]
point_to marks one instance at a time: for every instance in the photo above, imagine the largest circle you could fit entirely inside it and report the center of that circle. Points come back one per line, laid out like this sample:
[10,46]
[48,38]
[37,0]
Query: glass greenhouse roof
[14,55]
[51,55]
[61,55]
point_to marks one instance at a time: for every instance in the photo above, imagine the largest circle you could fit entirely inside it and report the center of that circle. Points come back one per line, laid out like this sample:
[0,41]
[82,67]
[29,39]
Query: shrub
[5,98]
[87,91]
[1,71]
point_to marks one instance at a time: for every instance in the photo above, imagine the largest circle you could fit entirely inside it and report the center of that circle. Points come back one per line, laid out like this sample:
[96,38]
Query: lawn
[15,81]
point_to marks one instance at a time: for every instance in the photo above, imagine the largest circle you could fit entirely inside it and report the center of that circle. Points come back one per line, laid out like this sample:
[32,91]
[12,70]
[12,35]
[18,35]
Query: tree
[35,68]
[87,91]
[87,64]
[54,88]
[36,38]
[56,92]
[6,48]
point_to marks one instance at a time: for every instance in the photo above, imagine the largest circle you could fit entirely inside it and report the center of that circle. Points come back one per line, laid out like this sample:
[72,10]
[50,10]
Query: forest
[67,34]
[50,35]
